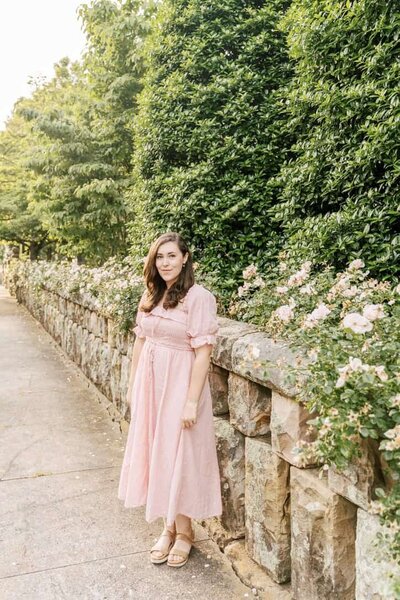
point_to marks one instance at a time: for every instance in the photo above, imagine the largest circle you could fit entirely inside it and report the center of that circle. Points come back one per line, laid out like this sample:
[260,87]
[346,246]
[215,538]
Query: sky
[34,34]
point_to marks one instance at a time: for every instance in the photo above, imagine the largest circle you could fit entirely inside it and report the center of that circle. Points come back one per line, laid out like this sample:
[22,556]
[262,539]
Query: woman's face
[169,261]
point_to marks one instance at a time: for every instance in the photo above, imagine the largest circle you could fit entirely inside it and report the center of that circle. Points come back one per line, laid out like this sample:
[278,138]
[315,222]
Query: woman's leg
[163,543]
[183,525]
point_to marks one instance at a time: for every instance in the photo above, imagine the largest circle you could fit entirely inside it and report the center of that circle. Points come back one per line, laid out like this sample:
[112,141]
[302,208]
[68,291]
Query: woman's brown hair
[156,285]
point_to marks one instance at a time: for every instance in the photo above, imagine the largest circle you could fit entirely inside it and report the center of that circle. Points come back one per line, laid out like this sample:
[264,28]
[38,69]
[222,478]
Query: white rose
[355,364]
[395,401]
[341,382]
[318,314]
[281,289]
[300,276]
[250,271]
[381,373]
[373,312]
[259,282]
[284,313]
[306,289]
[357,323]
[350,292]
[356,264]
[390,433]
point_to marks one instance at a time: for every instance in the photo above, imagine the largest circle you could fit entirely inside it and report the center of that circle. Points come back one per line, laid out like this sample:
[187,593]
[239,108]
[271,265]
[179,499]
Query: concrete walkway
[64,533]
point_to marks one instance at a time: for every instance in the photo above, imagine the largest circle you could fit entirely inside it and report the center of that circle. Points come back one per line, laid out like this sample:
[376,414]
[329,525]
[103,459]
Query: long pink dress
[170,469]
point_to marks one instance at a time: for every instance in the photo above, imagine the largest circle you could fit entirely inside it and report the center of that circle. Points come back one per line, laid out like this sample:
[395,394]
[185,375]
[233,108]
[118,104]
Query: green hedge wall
[340,194]
[209,135]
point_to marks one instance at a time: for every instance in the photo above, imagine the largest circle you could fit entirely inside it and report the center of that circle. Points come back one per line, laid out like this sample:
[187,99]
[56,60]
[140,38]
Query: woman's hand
[189,415]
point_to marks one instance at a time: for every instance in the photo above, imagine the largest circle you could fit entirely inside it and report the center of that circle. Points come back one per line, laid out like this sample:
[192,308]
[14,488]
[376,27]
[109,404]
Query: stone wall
[291,530]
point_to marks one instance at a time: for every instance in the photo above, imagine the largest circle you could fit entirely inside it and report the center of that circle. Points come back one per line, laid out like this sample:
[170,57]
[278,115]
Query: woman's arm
[137,348]
[197,380]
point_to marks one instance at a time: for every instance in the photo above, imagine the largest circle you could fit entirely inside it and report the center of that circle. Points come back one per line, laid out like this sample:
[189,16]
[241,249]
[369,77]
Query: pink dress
[170,469]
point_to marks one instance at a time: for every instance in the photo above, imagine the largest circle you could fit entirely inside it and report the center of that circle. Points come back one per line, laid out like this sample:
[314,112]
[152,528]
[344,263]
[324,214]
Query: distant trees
[19,223]
[77,140]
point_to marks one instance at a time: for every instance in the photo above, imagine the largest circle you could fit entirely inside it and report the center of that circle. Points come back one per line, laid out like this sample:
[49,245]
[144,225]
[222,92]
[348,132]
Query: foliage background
[250,127]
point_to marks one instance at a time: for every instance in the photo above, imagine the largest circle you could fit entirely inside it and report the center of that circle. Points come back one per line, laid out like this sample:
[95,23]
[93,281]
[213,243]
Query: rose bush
[348,327]
[114,289]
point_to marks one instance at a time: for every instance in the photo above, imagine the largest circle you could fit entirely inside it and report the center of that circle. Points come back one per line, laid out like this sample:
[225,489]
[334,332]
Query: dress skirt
[170,469]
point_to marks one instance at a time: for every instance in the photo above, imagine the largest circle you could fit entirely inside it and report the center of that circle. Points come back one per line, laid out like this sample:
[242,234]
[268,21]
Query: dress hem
[164,516]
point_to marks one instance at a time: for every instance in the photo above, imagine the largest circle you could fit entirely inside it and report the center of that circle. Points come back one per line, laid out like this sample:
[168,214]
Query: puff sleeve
[138,331]
[202,318]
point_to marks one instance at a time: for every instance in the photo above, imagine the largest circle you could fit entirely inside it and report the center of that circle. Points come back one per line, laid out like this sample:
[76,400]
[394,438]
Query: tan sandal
[161,559]
[182,553]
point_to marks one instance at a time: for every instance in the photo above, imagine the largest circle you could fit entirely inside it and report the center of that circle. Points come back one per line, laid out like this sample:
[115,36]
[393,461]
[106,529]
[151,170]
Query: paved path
[63,532]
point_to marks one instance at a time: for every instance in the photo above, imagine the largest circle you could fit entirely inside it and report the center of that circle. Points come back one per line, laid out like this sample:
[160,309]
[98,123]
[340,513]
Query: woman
[170,462]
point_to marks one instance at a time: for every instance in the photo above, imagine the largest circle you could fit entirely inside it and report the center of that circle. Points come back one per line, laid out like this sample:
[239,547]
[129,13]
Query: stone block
[131,341]
[121,342]
[58,327]
[218,378]
[79,314]
[267,503]
[87,340]
[229,332]
[95,372]
[103,327]
[124,381]
[255,576]
[70,309]
[71,347]
[65,332]
[78,345]
[217,532]
[230,449]
[375,567]
[115,378]
[323,539]
[264,360]
[105,358]
[62,305]
[359,480]
[93,323]
[111,333]
[289,428]
[249,405]
[69,337]
[87,315]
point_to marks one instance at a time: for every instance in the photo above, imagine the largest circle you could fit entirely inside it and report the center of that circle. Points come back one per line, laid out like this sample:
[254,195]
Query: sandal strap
[178,552]
[183,536]
[170,535]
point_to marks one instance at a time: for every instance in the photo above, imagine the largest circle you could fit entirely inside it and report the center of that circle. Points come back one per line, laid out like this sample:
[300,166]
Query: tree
[18,222]
[208,135]
[78,125]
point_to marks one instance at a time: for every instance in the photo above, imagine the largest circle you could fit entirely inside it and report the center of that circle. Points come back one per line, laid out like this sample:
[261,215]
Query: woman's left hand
[189,415]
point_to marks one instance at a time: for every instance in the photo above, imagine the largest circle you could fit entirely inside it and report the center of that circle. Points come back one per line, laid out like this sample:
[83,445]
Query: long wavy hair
[156,285]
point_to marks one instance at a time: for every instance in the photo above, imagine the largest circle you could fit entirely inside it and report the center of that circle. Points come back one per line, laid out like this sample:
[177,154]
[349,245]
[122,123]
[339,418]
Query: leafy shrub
[348,328]
[208,135]
[113,289]
[340,193]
